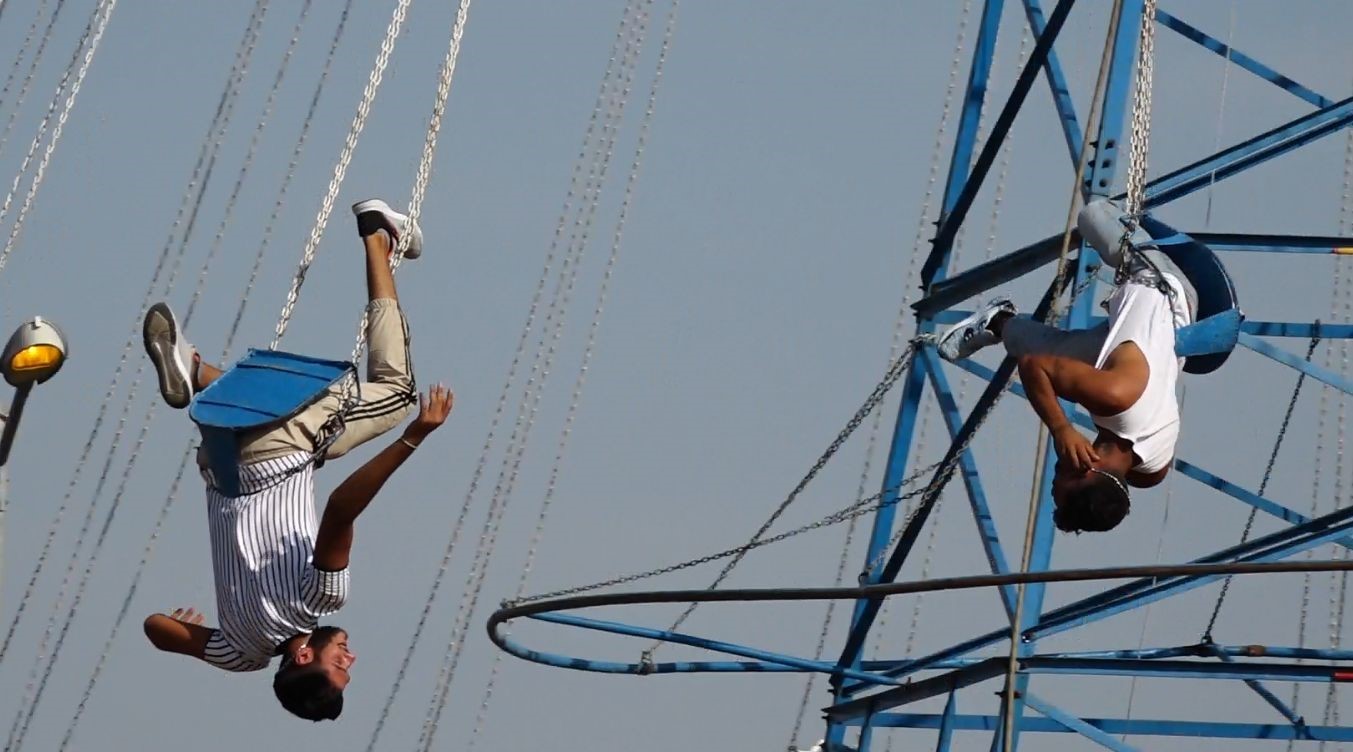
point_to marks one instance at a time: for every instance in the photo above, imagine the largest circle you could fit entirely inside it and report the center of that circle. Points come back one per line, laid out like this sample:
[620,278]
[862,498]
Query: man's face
[1066,481]
[336,659]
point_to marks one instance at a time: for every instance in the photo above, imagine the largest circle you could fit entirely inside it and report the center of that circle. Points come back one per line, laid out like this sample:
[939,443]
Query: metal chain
[424,172]
[541,369]
[1141,112]
[104,13]
[23,50]
[341,168]
[922,232]
[1323,413]
[1344,292]
[1263,484]
[250,152]
[349,394]
[588,351]
[171,497]
[860,508]
[188,206]
[457,528]
[296,152]
[115,505]
[32,66]
[881,389]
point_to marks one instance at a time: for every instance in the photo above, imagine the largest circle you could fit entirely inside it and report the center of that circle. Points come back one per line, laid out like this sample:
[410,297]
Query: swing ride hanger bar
[549,610]
[1116,726]
[991,668]
[1271,548]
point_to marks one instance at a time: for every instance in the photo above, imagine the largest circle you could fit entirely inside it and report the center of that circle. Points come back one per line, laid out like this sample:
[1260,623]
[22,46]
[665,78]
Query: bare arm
[1048,378]
[333,542]
[180,632]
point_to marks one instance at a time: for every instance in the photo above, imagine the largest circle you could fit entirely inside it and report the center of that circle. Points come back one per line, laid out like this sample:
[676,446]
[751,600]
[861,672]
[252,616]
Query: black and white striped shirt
[267,588]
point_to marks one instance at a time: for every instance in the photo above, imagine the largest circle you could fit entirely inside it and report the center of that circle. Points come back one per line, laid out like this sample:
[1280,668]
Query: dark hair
[305,691]
[1096,506]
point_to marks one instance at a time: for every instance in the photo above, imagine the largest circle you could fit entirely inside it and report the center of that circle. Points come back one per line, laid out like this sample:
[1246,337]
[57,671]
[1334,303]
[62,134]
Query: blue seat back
[1207,343]
[264,388]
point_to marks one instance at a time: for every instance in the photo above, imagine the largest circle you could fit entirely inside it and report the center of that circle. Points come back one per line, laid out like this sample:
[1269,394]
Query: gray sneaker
[374,214]
[171,354]
[971,334]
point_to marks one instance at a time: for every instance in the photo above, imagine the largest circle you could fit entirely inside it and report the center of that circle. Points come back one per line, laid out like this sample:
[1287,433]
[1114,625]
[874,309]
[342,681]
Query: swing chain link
[870,504]
[895,372]
[1141,112]
[341,168]
[1263,484]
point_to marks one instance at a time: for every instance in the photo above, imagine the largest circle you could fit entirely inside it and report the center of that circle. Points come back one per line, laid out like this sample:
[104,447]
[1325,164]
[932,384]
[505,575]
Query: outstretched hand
[433,410]
[1074,449]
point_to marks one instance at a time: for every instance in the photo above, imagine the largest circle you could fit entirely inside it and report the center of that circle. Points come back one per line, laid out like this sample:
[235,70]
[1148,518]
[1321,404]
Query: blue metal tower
[874,694]
[859,704]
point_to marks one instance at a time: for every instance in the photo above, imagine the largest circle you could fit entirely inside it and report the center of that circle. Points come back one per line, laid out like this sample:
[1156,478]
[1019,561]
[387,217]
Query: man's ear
[304,655]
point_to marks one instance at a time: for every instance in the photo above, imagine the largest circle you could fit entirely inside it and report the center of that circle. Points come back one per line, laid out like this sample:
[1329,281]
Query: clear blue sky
[763,263]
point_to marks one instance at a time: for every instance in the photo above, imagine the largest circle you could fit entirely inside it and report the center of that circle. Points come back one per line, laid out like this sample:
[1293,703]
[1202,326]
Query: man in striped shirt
[277,570]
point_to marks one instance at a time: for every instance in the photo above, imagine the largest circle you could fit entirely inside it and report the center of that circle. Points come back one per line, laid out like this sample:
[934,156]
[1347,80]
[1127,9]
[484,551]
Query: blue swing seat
[1207,343]
[264,388]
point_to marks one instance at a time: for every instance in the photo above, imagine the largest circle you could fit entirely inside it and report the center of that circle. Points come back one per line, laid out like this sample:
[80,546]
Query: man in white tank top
[1123,372]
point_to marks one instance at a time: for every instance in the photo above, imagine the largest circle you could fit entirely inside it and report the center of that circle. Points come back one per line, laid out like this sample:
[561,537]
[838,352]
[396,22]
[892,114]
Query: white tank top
[1142,314]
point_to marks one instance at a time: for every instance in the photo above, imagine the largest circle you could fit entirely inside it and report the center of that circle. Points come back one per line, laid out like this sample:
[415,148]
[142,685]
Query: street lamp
[35,352]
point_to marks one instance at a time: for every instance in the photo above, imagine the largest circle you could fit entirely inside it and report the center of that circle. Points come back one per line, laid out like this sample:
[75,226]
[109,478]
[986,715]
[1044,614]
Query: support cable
[225,353]
[189,206]
[528,405]
[1263,484]
[922,231]
[588,351]
[621,35]
[1036,490]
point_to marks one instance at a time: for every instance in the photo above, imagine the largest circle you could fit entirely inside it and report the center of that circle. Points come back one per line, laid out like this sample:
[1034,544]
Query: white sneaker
[971,334]
[171,354]
[374,214]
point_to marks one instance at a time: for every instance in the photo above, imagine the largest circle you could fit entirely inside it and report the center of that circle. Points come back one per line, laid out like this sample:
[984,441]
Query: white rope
[481,465]
[32,67]
[1221,112]
[534,389]
[189,205]
[103,13]
[1138,166]
[172,495]
[588,351]
[341,168]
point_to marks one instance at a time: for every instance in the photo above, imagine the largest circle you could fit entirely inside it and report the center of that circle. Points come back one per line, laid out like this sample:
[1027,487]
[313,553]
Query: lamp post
[34,353]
